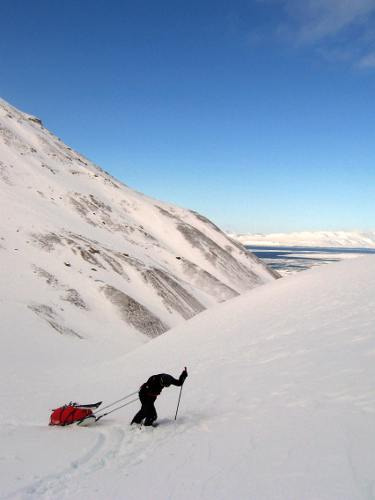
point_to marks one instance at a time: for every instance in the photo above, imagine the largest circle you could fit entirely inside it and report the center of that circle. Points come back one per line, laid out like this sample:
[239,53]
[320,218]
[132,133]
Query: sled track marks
[56,485]
[119,448]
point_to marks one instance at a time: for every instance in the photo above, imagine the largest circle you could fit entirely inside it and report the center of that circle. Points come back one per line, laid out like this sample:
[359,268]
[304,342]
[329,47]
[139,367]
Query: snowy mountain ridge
[351,239]
[87,256]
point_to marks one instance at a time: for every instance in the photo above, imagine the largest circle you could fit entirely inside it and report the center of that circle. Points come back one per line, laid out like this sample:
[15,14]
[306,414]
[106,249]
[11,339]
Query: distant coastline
[289,260]
[322,239]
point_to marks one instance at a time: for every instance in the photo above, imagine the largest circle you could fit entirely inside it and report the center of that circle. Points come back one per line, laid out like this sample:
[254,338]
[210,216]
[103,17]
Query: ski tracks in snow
[114,447]
[56,485]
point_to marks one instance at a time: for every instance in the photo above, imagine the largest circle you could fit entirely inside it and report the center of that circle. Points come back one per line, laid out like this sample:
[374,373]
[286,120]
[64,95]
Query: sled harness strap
[114,403]
[115,409]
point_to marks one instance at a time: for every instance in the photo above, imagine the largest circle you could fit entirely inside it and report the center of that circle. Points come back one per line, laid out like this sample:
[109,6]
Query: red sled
[73,413]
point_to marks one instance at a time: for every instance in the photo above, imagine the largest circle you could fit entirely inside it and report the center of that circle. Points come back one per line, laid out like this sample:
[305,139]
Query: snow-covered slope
[279,403]
[88,257]
[352,239]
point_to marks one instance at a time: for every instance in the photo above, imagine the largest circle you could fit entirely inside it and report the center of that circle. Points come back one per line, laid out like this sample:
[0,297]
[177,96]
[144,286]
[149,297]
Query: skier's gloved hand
[183,375]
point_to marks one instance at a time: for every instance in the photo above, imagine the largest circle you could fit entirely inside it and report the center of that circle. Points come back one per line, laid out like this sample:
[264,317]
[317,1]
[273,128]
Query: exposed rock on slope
[85,253]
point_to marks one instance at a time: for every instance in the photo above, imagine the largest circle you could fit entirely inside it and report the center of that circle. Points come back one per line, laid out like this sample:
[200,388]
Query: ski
[92,406]
[87,421]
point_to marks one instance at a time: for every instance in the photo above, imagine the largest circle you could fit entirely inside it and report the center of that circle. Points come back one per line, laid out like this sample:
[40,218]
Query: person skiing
[148,393]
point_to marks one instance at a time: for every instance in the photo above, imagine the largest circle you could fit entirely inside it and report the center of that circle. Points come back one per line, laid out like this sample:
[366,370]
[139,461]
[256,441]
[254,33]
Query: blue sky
[259,114]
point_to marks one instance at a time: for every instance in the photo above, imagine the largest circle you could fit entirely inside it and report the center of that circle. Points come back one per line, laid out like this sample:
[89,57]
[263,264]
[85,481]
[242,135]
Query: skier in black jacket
[148,393]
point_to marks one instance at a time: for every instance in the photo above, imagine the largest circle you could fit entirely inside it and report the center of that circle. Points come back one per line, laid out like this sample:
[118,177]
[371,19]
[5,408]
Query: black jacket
[156,383]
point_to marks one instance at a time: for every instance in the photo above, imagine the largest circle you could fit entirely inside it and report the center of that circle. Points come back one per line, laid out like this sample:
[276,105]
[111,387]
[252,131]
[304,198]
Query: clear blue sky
[259,114]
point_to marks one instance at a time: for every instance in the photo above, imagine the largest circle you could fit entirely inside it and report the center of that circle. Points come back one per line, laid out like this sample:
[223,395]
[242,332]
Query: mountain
[351,239]
[279,403]
[87,257]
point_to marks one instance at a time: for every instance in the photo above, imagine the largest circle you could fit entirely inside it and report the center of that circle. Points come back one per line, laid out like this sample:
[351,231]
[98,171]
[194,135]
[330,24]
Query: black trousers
[147,411]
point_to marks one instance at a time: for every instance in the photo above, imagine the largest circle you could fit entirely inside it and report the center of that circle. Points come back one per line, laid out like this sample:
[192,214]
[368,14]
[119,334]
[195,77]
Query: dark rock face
[53,319]
[36,120]
[135,313]
[174,296]
[219,256]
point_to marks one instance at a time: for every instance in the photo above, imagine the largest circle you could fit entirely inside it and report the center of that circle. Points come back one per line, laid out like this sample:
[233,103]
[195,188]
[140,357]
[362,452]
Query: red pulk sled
[73,413]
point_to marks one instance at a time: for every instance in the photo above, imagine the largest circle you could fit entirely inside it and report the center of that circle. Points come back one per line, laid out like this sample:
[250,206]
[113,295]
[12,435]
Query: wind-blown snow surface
[279,403]
[352,239]
[85,256]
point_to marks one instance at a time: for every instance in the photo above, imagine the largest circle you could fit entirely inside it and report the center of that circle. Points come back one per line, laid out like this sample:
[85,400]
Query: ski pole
[179,397]
[178,404]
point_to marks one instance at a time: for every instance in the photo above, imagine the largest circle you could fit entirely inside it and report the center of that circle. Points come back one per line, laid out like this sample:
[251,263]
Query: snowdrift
[279,403]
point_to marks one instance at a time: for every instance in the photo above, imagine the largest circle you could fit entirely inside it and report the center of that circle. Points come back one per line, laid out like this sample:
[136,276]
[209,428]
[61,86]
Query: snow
[351,239]
[77,247]
[279,403]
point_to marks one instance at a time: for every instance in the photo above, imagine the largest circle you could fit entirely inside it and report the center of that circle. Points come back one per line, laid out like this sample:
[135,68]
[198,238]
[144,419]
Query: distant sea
[287,260]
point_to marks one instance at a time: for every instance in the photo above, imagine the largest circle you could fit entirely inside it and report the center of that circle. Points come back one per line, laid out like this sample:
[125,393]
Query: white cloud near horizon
[320,19]
[367,61]
[341,29]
